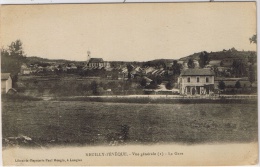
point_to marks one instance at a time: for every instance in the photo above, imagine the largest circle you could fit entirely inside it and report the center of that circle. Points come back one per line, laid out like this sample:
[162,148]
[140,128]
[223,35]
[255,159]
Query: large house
[6,82]
[97,63]
[196,81]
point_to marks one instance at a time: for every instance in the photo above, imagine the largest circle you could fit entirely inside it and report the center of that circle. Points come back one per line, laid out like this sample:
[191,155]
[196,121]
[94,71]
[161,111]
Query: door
[193,91]
[198,90]
[207,90]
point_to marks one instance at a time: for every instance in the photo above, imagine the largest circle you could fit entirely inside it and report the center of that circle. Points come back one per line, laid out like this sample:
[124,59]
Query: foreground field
[47,123]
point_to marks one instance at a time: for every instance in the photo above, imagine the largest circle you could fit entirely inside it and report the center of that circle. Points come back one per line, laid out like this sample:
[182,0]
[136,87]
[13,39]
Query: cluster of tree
[252,58]
[239,68]
[159,63]
[204,59]
[253,39]
[176,68]
[220,55]
[222,86]
[191,63]
[251,74]
[12,58]
[156,81]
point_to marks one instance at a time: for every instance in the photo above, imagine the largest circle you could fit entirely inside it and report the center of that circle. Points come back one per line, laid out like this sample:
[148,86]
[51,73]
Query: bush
[169,85]
[153,85]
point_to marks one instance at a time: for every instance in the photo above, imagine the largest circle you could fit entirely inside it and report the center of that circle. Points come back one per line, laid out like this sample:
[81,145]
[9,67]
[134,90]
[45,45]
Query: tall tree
[251,74]
[12,58]
[191,63]
[239,68]
[252,58]
[94,87]
[204,59]
[129,70]
[143,82]
[221,85]
[238,85]
[16,49]
[158,79]
[176,67]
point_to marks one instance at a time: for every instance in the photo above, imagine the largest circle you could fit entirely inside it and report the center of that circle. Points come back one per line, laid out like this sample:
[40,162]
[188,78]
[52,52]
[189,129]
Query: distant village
[185,76]
[234,72]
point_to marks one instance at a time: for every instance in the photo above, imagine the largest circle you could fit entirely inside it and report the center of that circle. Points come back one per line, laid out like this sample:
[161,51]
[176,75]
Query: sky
[128,32]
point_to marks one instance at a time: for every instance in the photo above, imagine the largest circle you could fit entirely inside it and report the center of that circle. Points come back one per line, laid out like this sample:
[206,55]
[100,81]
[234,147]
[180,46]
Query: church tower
[89,57]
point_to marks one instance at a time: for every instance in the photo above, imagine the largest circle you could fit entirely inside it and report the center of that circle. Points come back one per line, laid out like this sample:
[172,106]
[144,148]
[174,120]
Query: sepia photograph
[147,84]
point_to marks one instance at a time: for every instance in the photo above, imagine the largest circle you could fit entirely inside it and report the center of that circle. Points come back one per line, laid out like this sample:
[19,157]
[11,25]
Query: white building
[6,82]
[196,81]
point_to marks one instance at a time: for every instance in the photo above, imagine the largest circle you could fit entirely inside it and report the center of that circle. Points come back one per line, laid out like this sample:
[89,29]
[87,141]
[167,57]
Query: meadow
[50,123]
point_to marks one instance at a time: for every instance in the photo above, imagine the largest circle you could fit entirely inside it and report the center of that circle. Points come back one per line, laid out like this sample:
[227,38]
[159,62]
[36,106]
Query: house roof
[147,79]
[96,60]
[5,76]
[196,72]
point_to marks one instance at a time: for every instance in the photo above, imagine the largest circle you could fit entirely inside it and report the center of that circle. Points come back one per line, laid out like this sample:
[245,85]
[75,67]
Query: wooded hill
[220,55]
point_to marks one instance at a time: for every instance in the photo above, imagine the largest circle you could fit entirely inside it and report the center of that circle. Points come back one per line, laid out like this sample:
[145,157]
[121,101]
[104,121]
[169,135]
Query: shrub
[169,85]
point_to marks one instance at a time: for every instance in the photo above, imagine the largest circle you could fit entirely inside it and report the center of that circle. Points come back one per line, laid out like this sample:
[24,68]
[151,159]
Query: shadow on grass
[18,97]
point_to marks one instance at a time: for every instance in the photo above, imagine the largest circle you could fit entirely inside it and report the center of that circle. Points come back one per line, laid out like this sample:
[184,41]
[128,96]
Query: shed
[6,82]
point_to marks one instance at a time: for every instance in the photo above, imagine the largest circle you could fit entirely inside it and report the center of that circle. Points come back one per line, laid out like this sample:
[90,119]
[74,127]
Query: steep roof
[196,71]
[5,76]
[96,60]
[147,79]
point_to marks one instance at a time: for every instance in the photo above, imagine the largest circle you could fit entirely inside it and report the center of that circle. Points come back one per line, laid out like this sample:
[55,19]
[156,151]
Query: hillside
[35,59]
[231,53]
[158,62]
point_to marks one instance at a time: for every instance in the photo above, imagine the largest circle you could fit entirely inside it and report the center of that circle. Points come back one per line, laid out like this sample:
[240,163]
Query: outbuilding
[6,82]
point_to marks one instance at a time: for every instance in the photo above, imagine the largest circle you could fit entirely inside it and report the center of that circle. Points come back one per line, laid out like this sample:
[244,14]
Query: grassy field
[145,99]
[50,123]
[71,85]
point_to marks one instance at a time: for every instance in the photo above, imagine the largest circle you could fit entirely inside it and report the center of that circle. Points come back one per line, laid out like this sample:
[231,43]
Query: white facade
[196,82]
[6,84]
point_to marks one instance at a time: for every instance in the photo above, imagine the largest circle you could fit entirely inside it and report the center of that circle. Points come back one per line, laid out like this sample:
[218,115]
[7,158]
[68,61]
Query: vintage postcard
[147,84]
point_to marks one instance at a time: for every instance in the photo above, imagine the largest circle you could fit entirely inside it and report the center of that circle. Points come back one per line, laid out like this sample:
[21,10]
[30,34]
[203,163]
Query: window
[207,79]
[188,79]
[198,79]
[188,89]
